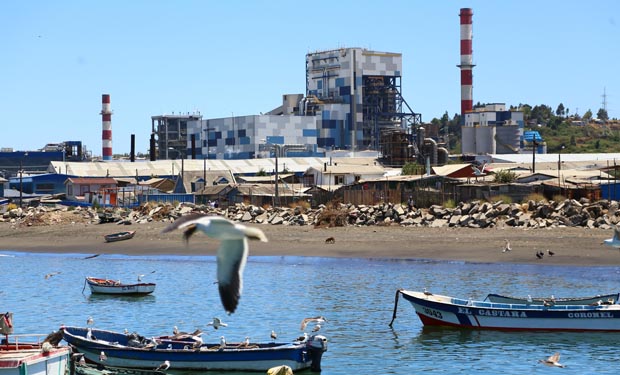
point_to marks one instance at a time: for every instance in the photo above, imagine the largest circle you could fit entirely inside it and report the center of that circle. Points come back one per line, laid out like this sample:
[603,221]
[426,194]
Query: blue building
[352,96]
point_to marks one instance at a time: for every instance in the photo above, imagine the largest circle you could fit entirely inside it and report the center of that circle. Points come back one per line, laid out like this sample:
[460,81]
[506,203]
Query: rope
[83,288]
[398,291]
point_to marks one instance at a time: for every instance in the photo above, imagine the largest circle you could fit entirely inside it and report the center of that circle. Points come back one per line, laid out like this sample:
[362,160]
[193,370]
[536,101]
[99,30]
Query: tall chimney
[132,153]
[466,64]
[106,123]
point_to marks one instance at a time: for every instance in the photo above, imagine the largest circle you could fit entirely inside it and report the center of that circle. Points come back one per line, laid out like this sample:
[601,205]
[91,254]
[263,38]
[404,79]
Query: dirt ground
[572,246]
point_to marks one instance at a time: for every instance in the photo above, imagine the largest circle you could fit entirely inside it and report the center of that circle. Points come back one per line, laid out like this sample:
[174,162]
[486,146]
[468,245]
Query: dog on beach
[330,240]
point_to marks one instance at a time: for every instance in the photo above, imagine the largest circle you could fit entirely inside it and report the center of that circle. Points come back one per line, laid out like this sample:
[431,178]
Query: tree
[602,115]
[411,169]
[542,114]
[560,111]
[587,116]
[527,111]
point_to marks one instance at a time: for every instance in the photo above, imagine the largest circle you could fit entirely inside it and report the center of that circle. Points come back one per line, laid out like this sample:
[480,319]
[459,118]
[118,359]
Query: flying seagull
[92,256]
[615,240]
[231,255]
[217,323]
[51,274]
[553,361]
[318,320]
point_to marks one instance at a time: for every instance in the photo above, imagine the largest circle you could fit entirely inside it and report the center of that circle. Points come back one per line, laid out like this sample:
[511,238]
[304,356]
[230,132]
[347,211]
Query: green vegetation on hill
[561,131]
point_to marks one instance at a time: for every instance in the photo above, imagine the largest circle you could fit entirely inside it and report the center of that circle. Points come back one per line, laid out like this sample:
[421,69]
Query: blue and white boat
[439,310]
[134,351]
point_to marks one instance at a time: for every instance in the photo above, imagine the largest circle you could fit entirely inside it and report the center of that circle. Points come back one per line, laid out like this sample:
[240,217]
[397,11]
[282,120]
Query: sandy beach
[572,246]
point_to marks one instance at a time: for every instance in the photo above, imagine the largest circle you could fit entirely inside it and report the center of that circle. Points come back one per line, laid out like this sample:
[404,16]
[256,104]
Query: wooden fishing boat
[119,236]
[608,299]
[29,353]
[108,286]
[100,369]
[135,351]
[439,310]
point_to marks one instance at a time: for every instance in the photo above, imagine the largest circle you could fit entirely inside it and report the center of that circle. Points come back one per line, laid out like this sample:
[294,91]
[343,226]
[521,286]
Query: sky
[234,57]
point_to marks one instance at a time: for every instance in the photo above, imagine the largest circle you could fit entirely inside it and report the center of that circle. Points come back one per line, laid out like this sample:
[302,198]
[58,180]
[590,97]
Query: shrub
[536,197]
[332,216]
[11,206]
[501,197]
[559,198]
[504,176]
[449,203]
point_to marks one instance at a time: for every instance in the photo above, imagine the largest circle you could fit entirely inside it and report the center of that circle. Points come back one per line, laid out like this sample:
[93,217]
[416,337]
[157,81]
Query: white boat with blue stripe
[439,310]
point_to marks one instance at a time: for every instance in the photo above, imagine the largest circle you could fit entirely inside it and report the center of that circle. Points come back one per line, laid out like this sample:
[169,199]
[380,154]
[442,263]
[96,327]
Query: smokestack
[193,146]
[132,155]
[152,154]
[467,101]
[106,123]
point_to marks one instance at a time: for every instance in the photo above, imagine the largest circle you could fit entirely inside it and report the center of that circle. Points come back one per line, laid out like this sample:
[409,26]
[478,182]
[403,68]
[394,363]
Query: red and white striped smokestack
[106,123]
[467,100]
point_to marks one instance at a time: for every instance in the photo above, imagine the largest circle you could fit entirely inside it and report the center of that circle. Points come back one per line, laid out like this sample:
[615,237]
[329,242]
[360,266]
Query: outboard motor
[317,345]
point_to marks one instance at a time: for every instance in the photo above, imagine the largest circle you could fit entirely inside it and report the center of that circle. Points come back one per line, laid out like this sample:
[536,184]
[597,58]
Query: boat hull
[34,361]
[437,310]
[102,286]
[121,236]
[259,357]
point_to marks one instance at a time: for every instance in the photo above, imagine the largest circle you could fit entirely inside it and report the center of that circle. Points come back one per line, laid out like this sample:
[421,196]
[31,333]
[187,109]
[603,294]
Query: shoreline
[572,246]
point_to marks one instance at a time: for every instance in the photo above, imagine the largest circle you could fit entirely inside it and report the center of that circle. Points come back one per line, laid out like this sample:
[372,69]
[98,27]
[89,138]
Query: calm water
[356,296]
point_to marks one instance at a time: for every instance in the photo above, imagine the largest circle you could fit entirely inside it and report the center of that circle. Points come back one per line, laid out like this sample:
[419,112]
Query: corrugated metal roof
[599,159]
[92,180]
[173,167]
[450,168]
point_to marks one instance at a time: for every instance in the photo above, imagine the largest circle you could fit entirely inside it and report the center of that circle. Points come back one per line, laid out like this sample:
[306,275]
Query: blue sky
[239,57]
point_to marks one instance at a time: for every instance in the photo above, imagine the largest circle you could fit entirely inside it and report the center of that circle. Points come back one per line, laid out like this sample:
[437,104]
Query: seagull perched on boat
[553,361]
[506,246]
[90,321]
[164,366]
[273,335]
[217,323]
[102,357]
[615,240]
[318,320]
[280,370]
[222,342]
[231,255]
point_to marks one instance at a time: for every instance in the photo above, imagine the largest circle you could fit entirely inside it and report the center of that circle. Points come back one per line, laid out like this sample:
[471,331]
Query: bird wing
[184,221]
[554,358]
[231,255]
[231,258]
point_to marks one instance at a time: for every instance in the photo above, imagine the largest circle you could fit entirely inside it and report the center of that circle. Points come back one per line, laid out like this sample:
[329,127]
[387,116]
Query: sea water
[355,295]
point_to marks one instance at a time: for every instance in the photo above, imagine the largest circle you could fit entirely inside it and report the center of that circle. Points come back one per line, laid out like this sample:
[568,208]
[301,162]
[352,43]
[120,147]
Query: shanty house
[96,189]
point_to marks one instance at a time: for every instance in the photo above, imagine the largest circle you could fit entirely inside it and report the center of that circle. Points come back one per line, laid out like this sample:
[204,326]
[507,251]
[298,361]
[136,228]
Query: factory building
[492,129]
[352,102]
[488,129]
